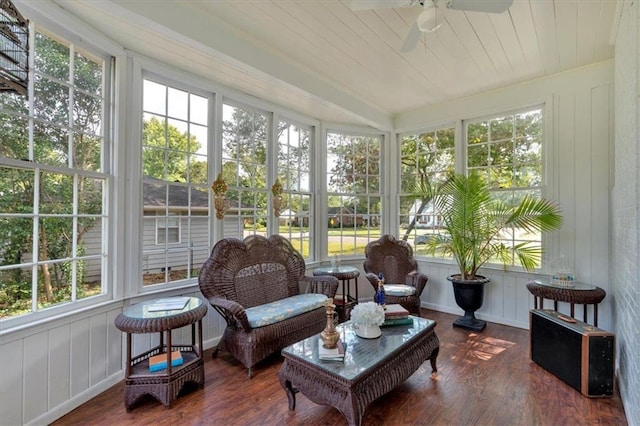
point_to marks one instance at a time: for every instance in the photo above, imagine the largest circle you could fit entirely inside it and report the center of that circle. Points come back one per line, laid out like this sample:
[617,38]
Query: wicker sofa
[255,285]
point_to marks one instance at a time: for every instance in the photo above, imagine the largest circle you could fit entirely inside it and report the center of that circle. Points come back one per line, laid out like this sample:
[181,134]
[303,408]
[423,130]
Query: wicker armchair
[394,258]
[244,274]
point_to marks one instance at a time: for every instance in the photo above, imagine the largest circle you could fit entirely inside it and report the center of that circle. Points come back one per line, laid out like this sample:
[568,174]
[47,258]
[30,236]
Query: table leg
[345,293]
[200,339]
[289,390]
[572,311]
[128,368]
[169,353]
[595,314]
[356,283]
[584,313]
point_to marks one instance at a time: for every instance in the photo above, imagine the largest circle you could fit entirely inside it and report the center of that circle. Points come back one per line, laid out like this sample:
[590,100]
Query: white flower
[368,313]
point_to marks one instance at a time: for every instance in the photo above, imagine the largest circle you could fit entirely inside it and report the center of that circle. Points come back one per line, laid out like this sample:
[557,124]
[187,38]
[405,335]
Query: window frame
[539,189]
[461,161]
[104,175]
[382,138]
[291,191]
[194,212]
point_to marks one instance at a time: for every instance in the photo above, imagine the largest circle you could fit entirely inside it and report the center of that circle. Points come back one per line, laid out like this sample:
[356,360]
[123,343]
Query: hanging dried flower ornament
[277,189]
[219,187]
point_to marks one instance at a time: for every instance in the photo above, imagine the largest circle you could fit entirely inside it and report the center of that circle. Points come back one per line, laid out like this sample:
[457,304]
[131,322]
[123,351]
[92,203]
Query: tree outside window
[507,151]
[353,192]
[53,178]
[244,168]
[294,173]
[426,159]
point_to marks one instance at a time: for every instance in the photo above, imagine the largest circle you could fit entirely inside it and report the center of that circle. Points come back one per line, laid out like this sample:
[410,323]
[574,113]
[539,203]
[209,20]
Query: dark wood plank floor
[483,379]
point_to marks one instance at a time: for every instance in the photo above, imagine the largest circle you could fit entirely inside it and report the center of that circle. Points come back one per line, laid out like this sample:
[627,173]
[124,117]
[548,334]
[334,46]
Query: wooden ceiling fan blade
[413,37]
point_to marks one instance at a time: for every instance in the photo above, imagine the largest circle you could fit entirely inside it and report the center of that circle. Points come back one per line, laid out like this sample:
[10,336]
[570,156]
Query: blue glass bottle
[380,293]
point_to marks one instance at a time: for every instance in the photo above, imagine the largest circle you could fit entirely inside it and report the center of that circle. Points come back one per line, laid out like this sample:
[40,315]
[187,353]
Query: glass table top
[576,286]
[360,354]
[160,308]
[336,270]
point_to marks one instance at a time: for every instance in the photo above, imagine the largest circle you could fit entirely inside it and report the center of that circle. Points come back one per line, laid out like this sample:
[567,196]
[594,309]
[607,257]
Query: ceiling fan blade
[489,6]
[381,4]
[411,42]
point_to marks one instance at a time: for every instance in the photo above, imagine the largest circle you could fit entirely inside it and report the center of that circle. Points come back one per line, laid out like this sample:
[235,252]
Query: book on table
[335,354]
[168,304]
[395,311]
[159,362]
[396,321]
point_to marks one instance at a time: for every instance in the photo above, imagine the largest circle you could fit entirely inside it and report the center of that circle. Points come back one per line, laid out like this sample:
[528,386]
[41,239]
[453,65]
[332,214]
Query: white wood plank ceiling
[321,58]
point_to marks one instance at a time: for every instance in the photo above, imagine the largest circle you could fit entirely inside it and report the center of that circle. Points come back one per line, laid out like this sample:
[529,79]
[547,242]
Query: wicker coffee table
[371,367]
[164,385]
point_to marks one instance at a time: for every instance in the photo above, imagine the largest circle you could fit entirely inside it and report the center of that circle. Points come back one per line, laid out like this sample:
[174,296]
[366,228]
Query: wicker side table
[344,302]
[581,294]
[163,385]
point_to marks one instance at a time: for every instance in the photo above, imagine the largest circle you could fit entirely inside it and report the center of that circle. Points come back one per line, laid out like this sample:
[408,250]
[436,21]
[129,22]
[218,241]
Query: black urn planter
[469,296]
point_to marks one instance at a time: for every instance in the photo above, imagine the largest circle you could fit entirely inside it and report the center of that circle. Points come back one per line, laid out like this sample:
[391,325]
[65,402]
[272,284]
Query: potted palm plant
[474,227]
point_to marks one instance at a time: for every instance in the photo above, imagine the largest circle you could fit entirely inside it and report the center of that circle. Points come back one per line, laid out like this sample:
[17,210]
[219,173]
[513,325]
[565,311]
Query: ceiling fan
[428,20]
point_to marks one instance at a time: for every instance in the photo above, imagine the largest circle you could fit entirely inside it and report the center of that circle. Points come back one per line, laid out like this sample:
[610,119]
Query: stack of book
[395,314]
[159,362]
[335,354]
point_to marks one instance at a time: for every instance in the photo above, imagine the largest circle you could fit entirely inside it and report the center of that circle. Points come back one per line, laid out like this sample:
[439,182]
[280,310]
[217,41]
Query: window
[175,191]
[507,151]
[54,174]
[294,173]
[168,229]
[244,169]
[353,190]
[426,159]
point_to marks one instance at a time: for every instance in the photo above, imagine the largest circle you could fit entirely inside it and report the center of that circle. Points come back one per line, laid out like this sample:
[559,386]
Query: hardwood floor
[483,379]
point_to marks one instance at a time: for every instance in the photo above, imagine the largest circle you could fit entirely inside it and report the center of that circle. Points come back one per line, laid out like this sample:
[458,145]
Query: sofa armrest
[417,280]
[232,312]
[322,284]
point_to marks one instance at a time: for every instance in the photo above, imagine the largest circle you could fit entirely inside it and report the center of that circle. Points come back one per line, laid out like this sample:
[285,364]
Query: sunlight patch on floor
[488,347]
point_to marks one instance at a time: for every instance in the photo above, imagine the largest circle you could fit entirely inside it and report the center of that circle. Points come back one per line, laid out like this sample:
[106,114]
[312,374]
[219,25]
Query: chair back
[252,271]
[394,258]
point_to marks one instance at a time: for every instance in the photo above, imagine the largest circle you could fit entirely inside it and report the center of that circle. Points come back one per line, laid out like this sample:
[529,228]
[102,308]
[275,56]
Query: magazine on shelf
[336,354]
[169,304]
[159,362]
[395,311]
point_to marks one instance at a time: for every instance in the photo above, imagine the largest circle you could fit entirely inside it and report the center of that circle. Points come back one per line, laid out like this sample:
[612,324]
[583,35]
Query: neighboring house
[176,239]
[427,218]
[344,216]
[291,218]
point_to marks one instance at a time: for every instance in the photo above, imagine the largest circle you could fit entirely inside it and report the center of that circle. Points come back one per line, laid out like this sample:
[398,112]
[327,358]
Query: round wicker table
[344,302]
[581,294]
[154,316]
